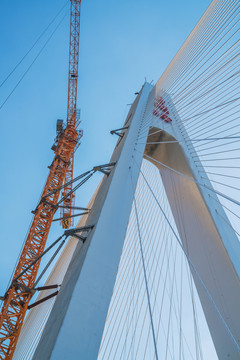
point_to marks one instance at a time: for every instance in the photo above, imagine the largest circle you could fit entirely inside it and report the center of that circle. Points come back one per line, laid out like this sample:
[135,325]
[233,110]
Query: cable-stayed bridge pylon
[180,137]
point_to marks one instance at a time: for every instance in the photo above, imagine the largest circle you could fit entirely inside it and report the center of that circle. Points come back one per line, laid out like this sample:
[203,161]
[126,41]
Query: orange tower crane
[18,295]
[73,115]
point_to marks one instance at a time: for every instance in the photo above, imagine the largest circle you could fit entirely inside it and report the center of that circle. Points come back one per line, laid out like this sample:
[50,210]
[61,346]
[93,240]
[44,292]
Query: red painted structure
[161,110]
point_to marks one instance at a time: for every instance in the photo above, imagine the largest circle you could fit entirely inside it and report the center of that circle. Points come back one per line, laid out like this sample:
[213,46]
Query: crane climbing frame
[21,290]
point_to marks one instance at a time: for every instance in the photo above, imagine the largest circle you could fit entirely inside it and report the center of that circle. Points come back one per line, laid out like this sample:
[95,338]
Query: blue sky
[121,43]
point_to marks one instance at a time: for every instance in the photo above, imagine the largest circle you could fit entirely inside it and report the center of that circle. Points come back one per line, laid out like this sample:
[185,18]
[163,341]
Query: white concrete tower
[75,326]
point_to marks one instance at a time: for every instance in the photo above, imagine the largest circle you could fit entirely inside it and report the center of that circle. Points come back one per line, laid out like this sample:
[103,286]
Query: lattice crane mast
[18,295]
[73,115]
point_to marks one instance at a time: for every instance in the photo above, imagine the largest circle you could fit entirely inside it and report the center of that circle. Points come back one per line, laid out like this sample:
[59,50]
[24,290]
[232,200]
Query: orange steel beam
[67,211]
[17,297]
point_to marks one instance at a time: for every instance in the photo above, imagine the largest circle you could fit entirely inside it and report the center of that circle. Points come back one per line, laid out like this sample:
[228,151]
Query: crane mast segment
[73,61]
[72,113]
[17,297]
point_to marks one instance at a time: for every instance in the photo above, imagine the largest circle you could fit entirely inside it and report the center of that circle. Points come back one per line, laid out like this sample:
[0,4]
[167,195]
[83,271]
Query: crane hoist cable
[18,296]
[32,63]
[33,45]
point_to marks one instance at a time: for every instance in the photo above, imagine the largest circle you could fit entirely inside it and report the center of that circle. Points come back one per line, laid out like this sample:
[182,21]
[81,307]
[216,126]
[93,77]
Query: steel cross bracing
[72,114]
[17,297]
